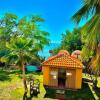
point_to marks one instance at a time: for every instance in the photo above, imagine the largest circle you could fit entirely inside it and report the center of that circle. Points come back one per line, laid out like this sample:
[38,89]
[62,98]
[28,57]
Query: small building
[62,71]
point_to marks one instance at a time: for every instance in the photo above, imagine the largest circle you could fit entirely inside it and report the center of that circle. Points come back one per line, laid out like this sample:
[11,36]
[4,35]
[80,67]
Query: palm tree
[91,30]
[24,43]
[89,7]
[20,52]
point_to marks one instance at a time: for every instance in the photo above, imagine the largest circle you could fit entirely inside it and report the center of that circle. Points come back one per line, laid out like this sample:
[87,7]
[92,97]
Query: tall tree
[20,53]
[91,30]
[25,40]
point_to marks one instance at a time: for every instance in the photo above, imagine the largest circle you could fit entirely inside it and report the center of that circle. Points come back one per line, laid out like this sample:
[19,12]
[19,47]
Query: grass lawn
[11,85]
[11,88]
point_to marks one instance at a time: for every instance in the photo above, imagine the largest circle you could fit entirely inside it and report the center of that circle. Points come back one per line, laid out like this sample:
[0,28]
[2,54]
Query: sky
[57,13]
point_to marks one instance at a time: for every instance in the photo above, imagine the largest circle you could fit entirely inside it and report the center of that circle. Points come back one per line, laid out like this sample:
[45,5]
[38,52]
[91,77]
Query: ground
[11,88]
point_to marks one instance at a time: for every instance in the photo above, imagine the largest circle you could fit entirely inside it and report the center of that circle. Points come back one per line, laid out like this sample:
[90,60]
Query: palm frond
[83,12]
[91,31]
[88,9]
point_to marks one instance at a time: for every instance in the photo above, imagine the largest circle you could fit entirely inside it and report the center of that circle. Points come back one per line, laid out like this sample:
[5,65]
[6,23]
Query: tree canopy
[21,40]
[70,41]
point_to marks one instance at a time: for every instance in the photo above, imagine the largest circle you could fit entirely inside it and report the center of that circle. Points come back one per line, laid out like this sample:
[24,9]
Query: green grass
[11,88]
[11,85]
[98,92]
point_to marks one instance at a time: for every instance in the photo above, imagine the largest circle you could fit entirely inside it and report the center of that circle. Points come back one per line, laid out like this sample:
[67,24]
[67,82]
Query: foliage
[22,39]
[7,23]
[13,29]
[90,31]
[56,50]
[70,41]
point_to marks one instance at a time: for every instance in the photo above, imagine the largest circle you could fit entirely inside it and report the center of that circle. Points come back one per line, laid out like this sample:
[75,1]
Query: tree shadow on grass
[83,94]
[50,93]
[25,97]
[17,72]
[4,76]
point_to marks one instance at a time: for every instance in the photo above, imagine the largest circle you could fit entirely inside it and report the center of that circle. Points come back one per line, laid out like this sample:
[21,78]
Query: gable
[63,60]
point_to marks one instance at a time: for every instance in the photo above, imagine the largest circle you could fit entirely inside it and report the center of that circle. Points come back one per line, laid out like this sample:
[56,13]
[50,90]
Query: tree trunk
[24,79]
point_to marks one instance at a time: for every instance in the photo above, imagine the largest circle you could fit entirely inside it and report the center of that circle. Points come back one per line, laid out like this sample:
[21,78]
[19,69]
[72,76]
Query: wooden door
[70,79]
[53,77]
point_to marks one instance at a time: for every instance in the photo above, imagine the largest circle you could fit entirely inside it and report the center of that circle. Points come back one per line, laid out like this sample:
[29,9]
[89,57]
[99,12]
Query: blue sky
[57,13]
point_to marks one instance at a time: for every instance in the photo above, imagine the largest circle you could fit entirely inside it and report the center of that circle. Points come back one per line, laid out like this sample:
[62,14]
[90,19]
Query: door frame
[63,77]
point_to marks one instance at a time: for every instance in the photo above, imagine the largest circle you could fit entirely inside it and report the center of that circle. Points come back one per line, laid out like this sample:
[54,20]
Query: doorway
[61,77]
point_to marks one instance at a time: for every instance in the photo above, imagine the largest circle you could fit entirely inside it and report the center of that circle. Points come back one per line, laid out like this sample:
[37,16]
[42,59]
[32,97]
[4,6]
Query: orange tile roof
[63,60]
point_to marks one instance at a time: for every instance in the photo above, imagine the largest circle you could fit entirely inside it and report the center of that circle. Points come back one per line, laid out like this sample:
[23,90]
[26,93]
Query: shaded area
[4,75]
[61,77]
[87,80]
[97,91]
[50,93]
[82,94]
[17,72]
[25,97]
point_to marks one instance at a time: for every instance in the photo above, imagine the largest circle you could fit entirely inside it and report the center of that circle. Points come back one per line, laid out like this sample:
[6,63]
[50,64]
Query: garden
[11,88]
[25,57]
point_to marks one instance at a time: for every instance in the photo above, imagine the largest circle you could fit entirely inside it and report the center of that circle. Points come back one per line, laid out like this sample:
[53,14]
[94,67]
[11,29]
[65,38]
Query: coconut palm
[91,30]
[89,7]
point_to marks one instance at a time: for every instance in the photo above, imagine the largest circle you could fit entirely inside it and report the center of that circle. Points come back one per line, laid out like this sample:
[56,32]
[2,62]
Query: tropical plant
[26,39]
[20,53]
[90,31]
